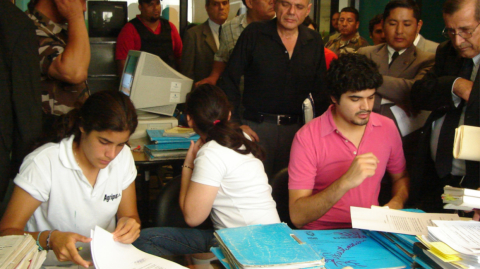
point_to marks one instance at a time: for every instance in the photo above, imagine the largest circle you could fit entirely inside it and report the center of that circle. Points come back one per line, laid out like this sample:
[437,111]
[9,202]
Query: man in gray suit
[401,64]
[425,44]
[201,42]
[399,61]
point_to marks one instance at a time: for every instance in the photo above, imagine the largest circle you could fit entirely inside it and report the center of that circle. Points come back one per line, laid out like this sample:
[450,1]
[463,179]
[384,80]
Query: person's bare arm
[128,224]
[72,65]
[400,188]
[305,207]
[20,209]
[217,70]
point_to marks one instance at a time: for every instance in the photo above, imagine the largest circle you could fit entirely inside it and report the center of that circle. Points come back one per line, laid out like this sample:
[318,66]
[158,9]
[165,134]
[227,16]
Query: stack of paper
[179,132]
[460,199]
[167,148]
[455,243]
[266,246]
[20,251]
[107,253]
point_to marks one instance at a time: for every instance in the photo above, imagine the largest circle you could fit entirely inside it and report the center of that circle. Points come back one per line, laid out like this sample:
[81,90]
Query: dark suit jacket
[20,104]
[433,93]
[398,79]
[198,50]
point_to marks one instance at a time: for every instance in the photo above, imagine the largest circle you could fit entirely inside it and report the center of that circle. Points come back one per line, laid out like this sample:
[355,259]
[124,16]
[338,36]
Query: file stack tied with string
[460,199]
[20,252]
[454,244]
[266,246]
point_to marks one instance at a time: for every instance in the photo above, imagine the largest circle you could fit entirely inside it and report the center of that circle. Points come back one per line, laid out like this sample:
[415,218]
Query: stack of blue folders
[406,247]
[167,148]
[350,247]
[265,246]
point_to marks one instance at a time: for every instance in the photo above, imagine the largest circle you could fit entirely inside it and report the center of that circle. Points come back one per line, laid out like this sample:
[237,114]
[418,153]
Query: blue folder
[349,247]
[157,137]
[256,246]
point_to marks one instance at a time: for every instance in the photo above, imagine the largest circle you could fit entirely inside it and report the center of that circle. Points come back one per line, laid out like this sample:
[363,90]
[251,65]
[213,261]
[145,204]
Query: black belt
[273,118]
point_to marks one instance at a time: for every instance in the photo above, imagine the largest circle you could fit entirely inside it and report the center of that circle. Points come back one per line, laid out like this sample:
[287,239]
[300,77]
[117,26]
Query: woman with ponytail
[83,177]
[222,176]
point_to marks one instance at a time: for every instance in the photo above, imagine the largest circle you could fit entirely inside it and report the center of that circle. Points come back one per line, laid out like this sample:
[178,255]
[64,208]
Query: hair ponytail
[209,108]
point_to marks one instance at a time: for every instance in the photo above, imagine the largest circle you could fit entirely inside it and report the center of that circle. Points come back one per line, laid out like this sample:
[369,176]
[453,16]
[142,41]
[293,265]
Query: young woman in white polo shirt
[82,178]
[222,176]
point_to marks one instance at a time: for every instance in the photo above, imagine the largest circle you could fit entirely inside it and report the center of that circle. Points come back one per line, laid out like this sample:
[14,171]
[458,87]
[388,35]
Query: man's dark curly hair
[352,72]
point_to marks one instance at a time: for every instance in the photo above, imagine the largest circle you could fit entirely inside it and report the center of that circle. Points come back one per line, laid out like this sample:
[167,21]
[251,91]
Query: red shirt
[329,56]
[129,39]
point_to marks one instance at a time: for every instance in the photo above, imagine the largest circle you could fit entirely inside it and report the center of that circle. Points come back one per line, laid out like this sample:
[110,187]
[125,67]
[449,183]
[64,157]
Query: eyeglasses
[450,33]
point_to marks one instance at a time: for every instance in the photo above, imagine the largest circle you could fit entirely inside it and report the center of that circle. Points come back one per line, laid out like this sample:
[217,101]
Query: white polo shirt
[51,175]
[244,196]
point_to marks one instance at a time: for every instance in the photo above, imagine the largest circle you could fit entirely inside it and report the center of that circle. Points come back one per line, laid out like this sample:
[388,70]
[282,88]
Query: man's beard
[363,121]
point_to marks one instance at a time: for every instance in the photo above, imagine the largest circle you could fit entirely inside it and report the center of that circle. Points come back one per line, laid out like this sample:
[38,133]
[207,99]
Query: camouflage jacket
[339,46]
[57,97]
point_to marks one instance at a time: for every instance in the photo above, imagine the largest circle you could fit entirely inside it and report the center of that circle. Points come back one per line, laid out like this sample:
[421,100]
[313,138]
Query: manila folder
[467,143]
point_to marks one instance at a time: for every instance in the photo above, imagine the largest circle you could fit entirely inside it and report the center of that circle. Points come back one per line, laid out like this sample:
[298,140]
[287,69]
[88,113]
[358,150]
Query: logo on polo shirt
[111,197]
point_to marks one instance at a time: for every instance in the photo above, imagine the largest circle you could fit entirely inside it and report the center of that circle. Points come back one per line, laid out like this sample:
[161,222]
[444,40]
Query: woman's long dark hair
[209,108]
[102,111]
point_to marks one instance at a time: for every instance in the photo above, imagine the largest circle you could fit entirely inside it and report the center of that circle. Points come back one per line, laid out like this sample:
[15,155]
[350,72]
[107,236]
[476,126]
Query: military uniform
[57,97]
[339,46]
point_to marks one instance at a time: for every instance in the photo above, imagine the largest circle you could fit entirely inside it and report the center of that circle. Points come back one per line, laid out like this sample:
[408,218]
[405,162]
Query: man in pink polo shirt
[338,159]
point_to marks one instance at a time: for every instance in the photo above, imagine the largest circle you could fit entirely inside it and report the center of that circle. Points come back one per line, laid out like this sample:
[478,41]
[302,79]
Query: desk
[144,166]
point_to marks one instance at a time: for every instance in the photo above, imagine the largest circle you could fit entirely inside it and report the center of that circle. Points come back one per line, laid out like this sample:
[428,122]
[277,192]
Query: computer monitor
[106,18]
[153,86]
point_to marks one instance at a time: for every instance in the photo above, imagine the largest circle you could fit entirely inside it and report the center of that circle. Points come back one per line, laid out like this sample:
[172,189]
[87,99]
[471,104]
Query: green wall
[431,16]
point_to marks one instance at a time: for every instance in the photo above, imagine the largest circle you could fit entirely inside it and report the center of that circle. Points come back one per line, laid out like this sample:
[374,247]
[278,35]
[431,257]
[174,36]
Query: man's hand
[363,166]
[63,244]
[462,88]
[127,231]
[71,9]
[250,133]
[208,80]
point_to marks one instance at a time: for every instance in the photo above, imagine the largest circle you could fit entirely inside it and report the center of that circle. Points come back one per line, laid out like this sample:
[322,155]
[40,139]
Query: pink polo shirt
[321,154]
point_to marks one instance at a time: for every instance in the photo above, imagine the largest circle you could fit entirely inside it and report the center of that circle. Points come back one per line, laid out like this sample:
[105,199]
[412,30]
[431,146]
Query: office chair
[168,212]
[279,184]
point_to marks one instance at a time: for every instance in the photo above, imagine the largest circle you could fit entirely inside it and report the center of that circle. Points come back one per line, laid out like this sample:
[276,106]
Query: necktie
[394,56]
[444,156]
[219,33]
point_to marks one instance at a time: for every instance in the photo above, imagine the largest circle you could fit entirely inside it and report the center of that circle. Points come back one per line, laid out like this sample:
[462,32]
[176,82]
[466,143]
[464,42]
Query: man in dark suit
[20,104]
[451,91]
[201,42]
[401,64]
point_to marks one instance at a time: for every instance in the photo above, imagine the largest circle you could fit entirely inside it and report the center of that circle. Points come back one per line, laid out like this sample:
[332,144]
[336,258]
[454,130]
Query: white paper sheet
[408,124]
[395,221]
[108,254]
[466,233]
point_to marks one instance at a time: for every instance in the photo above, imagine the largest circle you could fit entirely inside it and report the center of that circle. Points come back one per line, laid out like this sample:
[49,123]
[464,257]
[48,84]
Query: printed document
[107,253]
[395,221]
